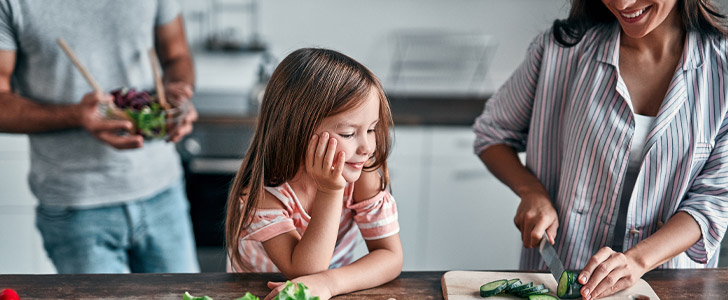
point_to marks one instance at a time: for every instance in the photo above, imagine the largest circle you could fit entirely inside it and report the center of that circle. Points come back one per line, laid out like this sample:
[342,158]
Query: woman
[621,109]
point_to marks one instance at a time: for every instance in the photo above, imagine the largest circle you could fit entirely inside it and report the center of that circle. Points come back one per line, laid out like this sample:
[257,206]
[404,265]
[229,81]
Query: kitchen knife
[550,257]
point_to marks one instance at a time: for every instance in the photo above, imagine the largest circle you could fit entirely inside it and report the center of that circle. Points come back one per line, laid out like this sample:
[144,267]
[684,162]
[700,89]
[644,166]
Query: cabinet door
[407,166]
[406,174]
[470,212]
[22,251]
[14,168]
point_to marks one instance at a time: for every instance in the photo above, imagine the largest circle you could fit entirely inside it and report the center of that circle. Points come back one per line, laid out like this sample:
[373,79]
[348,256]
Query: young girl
[315,171]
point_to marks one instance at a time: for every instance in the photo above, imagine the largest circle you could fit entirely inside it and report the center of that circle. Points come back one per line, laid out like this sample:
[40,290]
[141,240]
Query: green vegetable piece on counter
[187,296]
[248,296]
[290,292]
[295,292]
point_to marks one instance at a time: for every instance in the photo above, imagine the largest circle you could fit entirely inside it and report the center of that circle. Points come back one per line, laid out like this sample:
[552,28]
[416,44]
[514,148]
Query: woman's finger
[529,224]
[538,230]
[622,283]
[601,255]
[551,231]
[601,276]
[607,283]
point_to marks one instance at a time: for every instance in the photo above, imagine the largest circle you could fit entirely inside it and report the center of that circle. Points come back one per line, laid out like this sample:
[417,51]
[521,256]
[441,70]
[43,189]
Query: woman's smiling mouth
[634,16]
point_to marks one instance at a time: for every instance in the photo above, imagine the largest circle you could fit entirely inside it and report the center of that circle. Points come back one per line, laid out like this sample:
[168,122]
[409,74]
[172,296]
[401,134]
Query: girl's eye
[346,135]
[370,131]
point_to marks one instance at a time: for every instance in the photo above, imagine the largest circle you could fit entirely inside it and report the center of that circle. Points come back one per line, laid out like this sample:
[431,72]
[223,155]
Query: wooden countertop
[668,284]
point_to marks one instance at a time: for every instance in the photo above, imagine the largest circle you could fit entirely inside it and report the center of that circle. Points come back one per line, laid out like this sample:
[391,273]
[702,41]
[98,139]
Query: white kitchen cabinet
[22,251]
[470,212]
[453,214]
[406,168]
[407,164]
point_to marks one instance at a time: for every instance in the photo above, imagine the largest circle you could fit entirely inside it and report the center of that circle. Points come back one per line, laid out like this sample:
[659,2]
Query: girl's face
[640,17]
[354,133]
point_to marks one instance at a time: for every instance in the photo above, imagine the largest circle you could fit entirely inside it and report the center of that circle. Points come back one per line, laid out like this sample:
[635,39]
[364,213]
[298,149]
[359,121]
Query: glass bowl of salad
[143,109]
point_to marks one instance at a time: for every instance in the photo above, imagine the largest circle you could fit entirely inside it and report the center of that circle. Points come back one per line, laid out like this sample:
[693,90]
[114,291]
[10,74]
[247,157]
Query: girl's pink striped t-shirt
[375,218]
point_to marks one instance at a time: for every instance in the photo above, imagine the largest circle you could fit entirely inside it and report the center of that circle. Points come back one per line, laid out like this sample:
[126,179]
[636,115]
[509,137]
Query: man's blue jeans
[151,235]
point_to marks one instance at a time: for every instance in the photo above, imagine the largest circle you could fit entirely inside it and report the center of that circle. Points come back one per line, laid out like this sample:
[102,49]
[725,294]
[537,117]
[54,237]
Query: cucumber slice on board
[528,291]
[493,288]
[513,283]
[538,292]
[569,287]
[520,288]
[542,297]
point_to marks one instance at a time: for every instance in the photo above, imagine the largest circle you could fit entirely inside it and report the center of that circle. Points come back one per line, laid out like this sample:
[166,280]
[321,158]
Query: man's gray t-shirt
[111,38]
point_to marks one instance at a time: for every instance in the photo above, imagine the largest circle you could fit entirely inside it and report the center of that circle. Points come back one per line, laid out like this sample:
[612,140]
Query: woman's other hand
[535,215]
[324,165]
[317,285]
[608,272]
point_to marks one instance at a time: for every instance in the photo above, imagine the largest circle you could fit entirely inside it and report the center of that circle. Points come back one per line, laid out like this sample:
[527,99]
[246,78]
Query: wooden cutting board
[465,285]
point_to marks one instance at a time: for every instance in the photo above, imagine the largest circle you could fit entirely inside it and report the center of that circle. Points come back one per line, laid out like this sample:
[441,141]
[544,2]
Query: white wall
[362,29]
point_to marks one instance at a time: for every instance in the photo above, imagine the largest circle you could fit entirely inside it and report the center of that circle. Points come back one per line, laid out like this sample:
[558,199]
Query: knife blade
[550,257]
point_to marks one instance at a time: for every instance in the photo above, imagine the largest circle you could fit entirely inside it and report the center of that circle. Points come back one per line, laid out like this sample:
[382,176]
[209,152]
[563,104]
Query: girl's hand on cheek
[324,165]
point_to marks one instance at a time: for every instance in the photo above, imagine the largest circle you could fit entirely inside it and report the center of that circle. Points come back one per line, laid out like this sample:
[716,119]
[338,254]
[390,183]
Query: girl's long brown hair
[697,15]
[307,86]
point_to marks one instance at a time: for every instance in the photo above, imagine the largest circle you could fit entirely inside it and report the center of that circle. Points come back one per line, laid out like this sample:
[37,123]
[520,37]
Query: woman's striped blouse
[568,109]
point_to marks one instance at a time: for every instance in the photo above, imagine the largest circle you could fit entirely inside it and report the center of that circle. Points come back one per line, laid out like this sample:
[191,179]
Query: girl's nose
[365,146]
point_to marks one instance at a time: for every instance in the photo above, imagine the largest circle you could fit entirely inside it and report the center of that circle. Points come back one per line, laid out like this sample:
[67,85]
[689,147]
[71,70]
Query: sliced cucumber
[519,288]
[542,297]
[528,291]
[539,292]
[569,287]
[493,288]
[512,284]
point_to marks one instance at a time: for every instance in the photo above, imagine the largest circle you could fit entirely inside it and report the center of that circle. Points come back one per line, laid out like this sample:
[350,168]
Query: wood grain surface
[668,284]
[465,285]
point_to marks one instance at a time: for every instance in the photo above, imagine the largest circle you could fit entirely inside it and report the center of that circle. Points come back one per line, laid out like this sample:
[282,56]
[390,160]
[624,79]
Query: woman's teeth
[634,15]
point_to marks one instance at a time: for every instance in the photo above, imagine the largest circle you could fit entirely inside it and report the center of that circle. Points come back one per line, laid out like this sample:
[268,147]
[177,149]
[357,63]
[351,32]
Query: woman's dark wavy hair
[697,15]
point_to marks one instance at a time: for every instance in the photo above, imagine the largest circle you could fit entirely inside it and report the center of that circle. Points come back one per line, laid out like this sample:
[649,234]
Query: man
[108,202]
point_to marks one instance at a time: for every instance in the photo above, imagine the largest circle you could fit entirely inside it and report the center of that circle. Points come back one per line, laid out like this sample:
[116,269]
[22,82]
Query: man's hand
[179,93]
[107,131]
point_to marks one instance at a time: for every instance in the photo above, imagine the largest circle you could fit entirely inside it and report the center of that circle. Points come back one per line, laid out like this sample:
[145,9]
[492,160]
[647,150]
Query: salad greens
[150,121]
[290,292]
[143,110]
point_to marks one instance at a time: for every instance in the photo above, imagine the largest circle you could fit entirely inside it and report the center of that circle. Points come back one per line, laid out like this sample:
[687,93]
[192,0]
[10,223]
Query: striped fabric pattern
[568,108]
[375,218]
